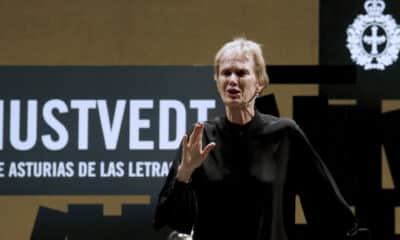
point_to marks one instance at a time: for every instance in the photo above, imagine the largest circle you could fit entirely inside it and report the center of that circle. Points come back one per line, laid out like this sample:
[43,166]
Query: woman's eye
[241,73]
[226,73]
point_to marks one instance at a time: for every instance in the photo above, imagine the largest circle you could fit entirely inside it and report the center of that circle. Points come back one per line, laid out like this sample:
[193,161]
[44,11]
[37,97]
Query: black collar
[234,129]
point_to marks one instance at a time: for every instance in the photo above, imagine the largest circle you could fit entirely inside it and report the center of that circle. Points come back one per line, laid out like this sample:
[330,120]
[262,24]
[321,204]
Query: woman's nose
[233,79]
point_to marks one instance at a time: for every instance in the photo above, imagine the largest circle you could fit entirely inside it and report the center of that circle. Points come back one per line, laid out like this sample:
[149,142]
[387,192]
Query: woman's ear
[217,86]
[260,88]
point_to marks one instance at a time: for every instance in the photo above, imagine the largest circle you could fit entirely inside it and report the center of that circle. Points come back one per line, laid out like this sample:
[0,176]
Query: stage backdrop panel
[364,141]
[96,132]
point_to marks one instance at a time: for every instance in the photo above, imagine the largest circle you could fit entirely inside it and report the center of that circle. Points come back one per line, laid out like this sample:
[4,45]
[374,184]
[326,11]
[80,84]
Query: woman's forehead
[236,55]
[236,59]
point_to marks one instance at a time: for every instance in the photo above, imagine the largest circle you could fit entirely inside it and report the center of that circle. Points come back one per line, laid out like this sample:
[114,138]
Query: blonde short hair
[248,48]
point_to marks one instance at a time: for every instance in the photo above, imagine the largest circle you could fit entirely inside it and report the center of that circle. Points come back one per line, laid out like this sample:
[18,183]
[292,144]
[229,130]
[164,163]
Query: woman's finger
[184,146]
[200,135]
[207,150]
[193,135]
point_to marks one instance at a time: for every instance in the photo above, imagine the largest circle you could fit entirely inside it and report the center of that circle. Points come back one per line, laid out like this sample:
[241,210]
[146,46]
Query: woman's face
[236,80]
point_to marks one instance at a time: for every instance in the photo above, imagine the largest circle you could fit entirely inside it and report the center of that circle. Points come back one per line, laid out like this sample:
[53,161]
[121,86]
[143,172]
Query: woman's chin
[233,103]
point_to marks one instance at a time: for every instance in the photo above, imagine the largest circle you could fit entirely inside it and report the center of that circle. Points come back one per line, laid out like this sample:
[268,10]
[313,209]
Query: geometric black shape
[85,221]
[142,229]
[334,74]
[391,141]
[267,105]
[49,225]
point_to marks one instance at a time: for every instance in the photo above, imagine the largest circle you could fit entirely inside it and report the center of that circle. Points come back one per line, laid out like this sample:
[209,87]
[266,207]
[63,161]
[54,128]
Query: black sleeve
[327,213]
[176,206]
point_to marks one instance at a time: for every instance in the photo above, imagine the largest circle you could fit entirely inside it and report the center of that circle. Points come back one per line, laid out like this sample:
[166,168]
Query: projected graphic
[373,39]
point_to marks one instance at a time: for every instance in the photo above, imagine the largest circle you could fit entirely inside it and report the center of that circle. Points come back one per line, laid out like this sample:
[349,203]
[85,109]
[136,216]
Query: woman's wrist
[184,174]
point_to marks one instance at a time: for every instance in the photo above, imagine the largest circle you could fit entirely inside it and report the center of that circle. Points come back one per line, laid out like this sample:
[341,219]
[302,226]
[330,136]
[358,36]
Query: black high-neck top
[246,187]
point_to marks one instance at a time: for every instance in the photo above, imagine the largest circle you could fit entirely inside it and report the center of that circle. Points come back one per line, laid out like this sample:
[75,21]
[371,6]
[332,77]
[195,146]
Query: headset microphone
[251,99]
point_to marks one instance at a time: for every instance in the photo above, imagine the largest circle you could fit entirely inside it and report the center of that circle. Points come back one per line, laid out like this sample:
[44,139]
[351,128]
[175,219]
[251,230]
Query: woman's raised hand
[193,153]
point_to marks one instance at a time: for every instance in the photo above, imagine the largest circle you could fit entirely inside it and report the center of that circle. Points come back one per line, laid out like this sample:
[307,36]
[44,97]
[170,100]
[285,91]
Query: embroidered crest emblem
[373,39]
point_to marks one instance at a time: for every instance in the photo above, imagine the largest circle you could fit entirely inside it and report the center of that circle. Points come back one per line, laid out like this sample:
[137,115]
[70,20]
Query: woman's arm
[177,205]
[326,211]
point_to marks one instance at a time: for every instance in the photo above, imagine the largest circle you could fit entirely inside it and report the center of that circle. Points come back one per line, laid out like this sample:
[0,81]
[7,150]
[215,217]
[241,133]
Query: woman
[236,176]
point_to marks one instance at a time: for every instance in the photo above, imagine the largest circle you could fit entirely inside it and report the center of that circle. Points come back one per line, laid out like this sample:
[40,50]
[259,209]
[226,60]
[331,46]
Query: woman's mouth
[233,92]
